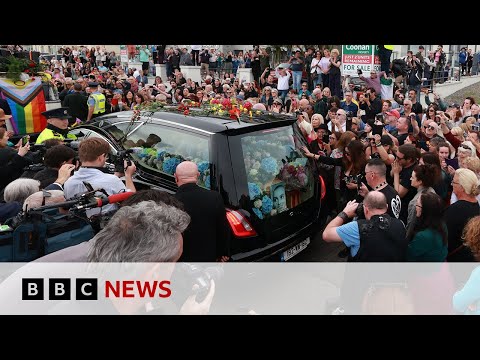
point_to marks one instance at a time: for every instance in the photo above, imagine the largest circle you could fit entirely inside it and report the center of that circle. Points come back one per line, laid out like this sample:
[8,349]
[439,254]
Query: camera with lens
[118,160]
[193,274]
[73,144]
[34,167]
[360,212]
[349,114]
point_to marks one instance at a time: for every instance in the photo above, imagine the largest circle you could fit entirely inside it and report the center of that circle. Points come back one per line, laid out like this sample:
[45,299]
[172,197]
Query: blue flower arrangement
[203,166]
[269,165]
[207,182]
[258,213]
[267,204]
[161,154]
[253,190]
[170,165]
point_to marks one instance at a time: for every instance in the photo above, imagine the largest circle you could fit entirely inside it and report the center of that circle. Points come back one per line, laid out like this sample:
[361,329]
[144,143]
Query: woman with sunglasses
[267,98]
[431,113]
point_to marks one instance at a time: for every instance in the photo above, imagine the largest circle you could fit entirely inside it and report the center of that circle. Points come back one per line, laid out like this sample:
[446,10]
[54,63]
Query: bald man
[379,237]
[207,238]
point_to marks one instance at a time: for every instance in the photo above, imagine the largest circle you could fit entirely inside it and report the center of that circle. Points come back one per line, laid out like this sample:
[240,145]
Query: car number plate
[286,255]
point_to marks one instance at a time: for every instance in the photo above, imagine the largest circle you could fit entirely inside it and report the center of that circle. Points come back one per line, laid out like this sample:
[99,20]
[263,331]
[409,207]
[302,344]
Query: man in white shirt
[340,120]
[283,85]
[93,154]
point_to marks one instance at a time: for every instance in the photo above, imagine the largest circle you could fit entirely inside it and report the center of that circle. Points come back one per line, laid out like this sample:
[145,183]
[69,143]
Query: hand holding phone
[25,140]
[377,129]
[452,162]
[422,144]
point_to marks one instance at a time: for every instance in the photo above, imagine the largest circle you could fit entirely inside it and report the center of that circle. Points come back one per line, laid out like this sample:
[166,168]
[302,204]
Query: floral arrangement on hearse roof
[232,108]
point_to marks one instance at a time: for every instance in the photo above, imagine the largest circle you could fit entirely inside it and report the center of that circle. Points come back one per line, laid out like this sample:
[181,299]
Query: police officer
[378,238]
[96,102]
[57,125]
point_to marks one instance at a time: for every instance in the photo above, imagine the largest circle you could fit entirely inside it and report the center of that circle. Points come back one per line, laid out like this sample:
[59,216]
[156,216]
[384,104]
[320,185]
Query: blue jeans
[317,81]
[283,94]
[297,80]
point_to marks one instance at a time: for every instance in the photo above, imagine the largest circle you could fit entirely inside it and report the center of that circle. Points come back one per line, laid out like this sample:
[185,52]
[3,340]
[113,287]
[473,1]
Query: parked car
[269,187]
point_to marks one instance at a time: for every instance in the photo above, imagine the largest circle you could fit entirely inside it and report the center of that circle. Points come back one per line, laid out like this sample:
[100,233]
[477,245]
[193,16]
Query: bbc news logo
[87,289]
[59,289]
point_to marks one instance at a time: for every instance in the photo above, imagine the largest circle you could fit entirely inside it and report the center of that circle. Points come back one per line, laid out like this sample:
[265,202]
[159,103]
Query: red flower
[247,105]
[226,102]
[215,101]
[32,64]
[186,112]
[291,169]
[27,71]
[234,113]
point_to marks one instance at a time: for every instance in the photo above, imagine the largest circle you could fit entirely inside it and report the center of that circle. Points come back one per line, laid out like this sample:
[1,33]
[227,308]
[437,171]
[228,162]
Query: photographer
[371,104]
[378,238]
[93,153]
[151,245]
[164,225]
[54,158]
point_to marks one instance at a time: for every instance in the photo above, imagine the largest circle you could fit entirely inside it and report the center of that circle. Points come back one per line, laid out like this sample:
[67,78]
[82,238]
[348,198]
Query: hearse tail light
[239,224]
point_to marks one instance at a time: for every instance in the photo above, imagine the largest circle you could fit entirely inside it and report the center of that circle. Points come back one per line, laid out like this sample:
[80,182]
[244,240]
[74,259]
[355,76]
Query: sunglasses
[466,147]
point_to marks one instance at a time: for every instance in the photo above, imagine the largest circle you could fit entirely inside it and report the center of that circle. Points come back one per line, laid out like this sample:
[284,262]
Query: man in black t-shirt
[402,168]
[401,132]
[416,106]
[375,174]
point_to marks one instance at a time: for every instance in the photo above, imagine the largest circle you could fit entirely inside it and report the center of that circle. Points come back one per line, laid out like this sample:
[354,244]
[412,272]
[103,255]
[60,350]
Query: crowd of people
[402,180]
[364,138]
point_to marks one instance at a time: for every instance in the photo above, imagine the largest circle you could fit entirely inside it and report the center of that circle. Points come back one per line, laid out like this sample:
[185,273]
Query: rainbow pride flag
[27,102]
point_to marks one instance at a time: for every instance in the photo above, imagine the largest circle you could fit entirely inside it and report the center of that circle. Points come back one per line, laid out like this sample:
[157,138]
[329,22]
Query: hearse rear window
[162,149]
[278,174]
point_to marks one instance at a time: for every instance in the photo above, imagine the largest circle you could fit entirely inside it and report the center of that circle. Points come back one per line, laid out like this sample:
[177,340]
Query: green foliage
[16,66]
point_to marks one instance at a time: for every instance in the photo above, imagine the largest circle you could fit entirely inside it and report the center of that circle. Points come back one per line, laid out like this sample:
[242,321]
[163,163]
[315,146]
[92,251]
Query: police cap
[60,113]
